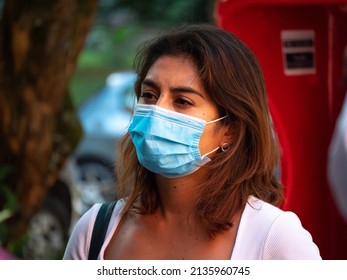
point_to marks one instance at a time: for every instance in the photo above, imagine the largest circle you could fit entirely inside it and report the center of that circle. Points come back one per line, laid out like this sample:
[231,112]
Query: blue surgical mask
[167,142]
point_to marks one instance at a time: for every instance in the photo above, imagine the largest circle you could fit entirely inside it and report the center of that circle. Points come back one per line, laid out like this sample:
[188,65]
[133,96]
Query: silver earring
[225,147]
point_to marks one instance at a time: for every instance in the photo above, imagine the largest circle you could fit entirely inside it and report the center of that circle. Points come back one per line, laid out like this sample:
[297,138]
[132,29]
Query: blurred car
[88,175]
[105,118]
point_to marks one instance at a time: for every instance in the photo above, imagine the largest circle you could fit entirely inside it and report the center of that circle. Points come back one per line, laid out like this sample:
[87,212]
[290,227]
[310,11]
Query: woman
[196,170]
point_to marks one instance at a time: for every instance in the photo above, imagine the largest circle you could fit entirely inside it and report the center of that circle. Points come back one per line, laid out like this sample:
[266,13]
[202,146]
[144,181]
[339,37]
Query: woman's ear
[229,133]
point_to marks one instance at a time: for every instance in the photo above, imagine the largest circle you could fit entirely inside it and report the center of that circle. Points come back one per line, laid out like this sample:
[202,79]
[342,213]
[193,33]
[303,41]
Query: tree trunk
[39,45]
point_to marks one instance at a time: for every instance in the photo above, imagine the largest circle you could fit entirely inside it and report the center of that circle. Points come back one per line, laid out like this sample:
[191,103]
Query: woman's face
[173,83]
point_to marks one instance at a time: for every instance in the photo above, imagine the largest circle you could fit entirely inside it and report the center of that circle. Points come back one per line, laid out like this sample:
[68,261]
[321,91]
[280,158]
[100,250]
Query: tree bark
[39,45]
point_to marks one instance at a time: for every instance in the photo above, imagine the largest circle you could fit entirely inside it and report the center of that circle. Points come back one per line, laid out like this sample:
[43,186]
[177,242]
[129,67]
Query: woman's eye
[183,102]
[148,97]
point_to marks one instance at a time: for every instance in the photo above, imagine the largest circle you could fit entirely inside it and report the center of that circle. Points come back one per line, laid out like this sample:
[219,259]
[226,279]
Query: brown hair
[232,76]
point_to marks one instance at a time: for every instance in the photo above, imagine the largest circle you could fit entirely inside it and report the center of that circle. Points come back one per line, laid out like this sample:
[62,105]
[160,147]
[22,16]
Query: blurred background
[66,98]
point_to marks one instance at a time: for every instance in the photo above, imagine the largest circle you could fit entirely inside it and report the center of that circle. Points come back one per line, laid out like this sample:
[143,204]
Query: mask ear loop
[225,147]
[217,120]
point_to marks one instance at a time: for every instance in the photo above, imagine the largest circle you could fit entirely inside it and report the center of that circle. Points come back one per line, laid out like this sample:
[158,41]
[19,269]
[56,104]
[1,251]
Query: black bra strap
[100,228]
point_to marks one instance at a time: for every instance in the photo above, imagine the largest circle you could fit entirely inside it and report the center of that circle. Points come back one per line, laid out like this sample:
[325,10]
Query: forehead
[175,69]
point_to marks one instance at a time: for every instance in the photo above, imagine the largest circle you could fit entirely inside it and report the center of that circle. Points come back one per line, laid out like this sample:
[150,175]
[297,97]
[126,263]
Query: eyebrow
[151,83]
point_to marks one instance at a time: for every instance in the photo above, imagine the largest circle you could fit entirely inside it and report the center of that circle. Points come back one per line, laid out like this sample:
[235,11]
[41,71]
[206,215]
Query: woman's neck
[177,195]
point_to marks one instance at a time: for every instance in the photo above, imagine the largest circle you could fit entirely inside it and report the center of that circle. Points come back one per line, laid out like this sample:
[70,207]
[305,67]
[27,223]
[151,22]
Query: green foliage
[9,201]
[10,205]
[120,27]
[108,50]
[167,12]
